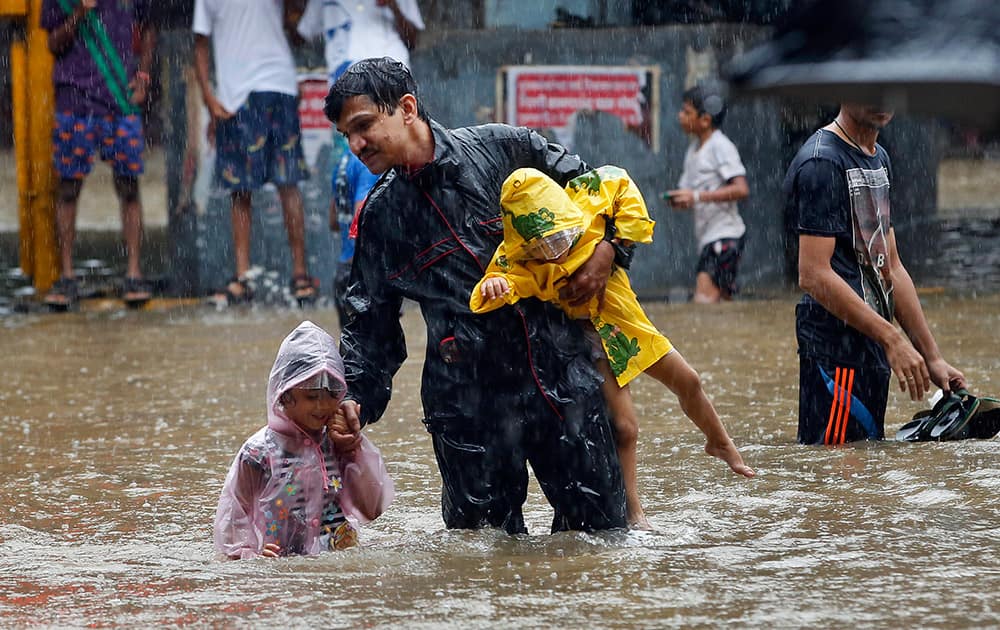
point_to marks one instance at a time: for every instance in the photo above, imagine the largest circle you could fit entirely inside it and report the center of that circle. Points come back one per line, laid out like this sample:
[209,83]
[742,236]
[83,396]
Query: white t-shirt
[356,30]
[250,49]
[709,167]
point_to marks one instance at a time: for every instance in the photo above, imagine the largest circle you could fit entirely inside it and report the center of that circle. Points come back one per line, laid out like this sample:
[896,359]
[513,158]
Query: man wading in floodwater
[838,186]
[499,390]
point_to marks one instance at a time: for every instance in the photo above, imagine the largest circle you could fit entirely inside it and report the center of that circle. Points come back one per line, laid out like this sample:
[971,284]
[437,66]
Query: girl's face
[311,409]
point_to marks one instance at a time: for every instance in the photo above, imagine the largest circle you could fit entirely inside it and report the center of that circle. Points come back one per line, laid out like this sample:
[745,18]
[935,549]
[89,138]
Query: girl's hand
[271,550]
[494,288]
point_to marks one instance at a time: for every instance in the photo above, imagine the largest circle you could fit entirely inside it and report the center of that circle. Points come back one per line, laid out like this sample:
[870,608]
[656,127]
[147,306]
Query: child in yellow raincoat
[549,233]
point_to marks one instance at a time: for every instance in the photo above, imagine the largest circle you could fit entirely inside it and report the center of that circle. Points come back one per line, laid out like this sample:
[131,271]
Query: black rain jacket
[428,236]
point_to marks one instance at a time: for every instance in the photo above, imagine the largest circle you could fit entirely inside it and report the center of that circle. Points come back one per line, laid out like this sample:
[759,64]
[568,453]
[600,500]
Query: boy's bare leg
[626,426]
[242,217]
[66,203]
[127,189]
[674,372]
[295,225]
[705,291]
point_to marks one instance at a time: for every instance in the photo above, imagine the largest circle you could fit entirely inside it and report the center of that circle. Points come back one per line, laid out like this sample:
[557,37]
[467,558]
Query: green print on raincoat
[620,349]
[532,225]
[591,180]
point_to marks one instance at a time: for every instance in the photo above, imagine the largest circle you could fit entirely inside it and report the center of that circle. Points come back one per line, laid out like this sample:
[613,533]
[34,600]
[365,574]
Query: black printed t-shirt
[838,191]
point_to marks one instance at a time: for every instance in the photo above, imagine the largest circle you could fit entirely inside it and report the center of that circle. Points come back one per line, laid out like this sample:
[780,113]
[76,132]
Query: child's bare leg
[626,425]
[674,372]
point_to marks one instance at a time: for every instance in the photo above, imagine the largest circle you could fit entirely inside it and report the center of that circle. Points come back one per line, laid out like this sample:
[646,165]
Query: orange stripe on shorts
[833,406]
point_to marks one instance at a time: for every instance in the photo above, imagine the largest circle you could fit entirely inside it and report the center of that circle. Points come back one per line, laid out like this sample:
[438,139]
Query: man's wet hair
[707,100]
[382,79]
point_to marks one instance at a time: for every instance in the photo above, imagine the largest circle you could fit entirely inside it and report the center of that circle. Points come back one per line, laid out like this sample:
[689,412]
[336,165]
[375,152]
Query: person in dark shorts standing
[711,184]
[255,115]
[427,232]
[839,187]
[99,88]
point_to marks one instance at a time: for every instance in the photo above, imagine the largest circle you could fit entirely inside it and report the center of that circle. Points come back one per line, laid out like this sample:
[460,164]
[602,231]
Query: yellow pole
[34,98]
[19,92]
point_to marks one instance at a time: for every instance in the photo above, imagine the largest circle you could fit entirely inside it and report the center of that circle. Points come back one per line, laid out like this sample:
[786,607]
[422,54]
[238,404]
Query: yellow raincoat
[534,206]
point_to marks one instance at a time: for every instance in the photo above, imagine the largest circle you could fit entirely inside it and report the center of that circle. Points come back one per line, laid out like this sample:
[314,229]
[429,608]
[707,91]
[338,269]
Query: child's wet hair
[707,99]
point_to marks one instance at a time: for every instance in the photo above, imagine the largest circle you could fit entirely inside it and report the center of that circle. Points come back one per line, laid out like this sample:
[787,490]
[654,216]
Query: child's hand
[344,428]
[494,288]
[682,198]
[271,550]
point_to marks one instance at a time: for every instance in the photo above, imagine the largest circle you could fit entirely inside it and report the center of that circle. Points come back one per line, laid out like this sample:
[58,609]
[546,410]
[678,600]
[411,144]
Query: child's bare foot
[728,453]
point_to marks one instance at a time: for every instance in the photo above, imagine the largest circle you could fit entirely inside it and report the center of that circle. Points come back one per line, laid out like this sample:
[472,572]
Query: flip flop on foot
[304,289]
[64,294]
[236,291]
[135,292]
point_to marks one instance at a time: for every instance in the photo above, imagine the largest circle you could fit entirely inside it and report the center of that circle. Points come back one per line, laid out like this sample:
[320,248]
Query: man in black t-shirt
[838,186]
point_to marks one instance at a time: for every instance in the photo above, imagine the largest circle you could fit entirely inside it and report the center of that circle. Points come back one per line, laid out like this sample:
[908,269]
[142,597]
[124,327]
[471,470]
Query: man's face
[378,139]
[869,116]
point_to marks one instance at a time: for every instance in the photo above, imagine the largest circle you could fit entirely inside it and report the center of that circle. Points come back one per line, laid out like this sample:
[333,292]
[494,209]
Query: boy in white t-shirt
[358,29]
[255,117]
[712,182]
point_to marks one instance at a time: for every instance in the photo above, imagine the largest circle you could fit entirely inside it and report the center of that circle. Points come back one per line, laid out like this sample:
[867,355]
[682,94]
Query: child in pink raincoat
[304,483]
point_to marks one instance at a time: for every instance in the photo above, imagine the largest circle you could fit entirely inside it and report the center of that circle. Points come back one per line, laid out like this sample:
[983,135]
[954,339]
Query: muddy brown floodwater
[116,430]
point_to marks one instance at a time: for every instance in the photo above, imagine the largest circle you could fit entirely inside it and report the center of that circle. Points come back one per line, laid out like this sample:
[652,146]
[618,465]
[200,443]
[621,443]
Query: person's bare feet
[728,453]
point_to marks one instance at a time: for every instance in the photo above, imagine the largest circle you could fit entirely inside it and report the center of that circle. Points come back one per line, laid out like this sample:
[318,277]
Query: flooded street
[117,428]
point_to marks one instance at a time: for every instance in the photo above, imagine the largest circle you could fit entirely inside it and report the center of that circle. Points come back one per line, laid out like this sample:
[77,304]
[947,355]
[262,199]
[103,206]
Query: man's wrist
[697,196]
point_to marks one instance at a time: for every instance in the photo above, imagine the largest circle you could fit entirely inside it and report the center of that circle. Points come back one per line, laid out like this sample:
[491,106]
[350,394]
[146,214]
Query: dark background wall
[457,73]
[456,65]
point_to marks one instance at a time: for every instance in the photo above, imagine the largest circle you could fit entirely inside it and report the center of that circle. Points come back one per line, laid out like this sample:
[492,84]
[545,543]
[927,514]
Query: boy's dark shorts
[840,403]
[75,140]
[261,143]
[720,260]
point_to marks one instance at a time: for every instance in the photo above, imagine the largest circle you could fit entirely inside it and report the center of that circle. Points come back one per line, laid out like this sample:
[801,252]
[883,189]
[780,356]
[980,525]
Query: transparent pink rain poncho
[290,488]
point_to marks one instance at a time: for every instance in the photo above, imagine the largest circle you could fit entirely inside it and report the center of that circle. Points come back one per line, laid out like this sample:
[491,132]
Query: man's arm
[139,86]
[62,36]
[407,30]
[293,12]
[910,315]
[818,279]
[372,343]
[373,348]
[201,61]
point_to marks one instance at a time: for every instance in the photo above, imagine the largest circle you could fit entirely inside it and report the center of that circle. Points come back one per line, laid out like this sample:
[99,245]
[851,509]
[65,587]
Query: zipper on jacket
[524,322]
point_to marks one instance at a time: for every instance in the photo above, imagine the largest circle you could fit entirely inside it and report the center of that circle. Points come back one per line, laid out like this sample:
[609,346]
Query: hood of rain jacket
[535,208]
[305,353]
